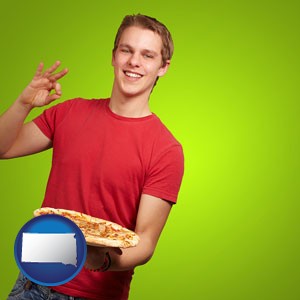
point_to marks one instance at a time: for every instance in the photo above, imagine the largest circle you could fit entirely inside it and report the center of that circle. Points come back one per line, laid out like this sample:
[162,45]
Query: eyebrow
[143,50]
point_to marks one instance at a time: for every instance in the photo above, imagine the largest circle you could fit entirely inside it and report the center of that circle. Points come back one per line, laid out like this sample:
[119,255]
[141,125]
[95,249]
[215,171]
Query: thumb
[117,250]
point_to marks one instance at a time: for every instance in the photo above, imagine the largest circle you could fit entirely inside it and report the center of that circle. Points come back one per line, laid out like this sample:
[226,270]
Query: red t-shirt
[102,164]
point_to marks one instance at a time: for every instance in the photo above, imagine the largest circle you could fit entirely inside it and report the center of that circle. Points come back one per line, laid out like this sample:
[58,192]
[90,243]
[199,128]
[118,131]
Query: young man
[112,158]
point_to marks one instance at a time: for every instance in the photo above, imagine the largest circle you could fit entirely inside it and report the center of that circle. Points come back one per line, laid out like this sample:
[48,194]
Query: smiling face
[137,62]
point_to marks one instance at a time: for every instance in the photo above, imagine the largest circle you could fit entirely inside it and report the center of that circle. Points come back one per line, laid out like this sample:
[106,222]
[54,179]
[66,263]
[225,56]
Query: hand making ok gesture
[44,88]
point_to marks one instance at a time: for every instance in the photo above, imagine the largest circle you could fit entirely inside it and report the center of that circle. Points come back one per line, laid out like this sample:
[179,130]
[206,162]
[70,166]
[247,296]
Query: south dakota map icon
[50,250]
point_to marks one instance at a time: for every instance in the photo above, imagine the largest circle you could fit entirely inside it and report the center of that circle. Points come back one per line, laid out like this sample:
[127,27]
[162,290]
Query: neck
[128,106]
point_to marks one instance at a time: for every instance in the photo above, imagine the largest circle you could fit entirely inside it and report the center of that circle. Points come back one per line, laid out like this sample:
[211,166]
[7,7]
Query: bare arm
[17,138]
[152,216]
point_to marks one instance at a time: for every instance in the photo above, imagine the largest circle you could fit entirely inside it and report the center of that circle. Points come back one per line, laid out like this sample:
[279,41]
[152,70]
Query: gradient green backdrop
[231,97]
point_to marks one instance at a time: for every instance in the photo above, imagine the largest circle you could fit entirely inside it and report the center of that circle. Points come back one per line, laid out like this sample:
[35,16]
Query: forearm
[11,123]
[152,216]
[132,257]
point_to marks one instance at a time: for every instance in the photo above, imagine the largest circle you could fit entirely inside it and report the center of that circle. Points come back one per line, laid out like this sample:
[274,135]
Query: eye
[148,55]
[125,50]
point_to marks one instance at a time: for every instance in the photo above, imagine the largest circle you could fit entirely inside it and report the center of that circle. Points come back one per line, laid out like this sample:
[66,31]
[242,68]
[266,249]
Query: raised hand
[44,88]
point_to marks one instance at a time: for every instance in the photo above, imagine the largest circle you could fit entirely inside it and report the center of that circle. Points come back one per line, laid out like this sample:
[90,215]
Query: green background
[231,97]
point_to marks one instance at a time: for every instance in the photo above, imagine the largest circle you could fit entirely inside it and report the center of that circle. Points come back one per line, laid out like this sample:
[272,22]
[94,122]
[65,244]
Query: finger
[51,98]
[39,70]
[59,75]
[52,68]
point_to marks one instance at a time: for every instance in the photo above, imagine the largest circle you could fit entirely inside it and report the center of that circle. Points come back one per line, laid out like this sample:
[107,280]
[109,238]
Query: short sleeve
[52,117]
[165,175]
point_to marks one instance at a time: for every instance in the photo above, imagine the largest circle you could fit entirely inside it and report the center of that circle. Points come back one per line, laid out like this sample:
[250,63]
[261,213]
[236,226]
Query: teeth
[133,75]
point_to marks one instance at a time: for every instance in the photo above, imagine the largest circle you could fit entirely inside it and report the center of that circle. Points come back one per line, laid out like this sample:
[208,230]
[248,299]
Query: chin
[132,92]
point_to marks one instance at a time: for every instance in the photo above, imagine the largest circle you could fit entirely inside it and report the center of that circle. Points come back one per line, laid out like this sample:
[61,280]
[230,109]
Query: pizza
[97,232]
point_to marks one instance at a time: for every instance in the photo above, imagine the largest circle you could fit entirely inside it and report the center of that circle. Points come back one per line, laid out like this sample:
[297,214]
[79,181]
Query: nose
[134,60]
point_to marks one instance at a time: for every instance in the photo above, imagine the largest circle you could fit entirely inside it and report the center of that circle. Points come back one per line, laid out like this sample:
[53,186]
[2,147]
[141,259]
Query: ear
[163,69]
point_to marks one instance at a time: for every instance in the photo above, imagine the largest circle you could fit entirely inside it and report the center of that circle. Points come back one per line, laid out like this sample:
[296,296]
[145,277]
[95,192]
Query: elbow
[147,252]
[146,258]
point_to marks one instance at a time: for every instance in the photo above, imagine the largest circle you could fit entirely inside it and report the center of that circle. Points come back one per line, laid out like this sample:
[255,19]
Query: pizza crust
[97,232]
